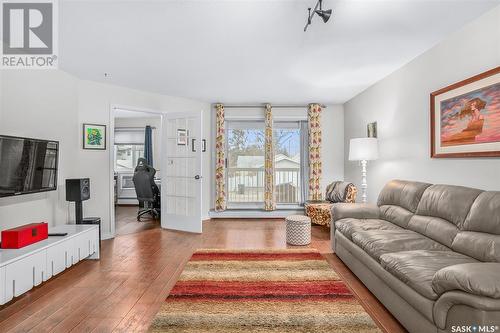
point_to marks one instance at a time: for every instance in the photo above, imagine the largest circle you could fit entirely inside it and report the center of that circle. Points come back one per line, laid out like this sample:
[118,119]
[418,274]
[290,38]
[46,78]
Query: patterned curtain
[220,160]
[269,199]
[315,152]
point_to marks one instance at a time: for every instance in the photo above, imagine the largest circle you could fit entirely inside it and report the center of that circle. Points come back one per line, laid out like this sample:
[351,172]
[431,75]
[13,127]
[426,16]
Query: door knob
[197,177]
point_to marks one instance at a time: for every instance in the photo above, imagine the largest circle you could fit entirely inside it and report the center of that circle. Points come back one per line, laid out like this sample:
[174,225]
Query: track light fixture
[324,14]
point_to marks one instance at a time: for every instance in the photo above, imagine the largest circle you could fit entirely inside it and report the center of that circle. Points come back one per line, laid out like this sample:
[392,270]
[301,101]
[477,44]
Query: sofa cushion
[451,203]
[348,226]
[480,233]
[484,215]
[417,268]
[479,245]
[405,194]
[435,228]
[379,242]
[480,279]
[395,214]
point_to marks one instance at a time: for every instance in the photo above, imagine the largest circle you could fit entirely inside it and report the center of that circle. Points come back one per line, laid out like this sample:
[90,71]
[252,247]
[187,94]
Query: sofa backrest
[479,235]
[399,200]
[466,220]
[442,211]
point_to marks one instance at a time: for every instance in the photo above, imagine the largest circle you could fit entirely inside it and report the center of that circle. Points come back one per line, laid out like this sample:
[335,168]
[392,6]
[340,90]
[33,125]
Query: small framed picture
[94,136]
[372,130]
[182,137]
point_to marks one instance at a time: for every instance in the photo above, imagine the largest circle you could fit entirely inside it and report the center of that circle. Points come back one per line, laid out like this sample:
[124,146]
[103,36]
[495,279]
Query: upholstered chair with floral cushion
[320,212]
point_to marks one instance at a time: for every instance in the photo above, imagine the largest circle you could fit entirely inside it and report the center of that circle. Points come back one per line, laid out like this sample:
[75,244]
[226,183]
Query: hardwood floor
[123,291]
[126,221]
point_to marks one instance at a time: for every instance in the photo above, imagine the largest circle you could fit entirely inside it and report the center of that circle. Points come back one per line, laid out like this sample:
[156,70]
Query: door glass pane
[287,170]
[245,162]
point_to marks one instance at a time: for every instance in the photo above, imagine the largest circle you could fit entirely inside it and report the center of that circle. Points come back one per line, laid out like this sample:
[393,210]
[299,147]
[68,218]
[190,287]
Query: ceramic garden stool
[298,230]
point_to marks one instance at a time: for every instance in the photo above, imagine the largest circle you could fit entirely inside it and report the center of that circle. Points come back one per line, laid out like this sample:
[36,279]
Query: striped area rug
[263,291]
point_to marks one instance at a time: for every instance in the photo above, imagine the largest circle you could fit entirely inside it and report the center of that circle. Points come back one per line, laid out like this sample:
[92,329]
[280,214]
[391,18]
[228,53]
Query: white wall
[400,105]
[53,104]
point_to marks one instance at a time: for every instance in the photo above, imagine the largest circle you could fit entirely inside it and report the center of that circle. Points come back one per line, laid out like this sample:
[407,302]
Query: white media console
[22,269]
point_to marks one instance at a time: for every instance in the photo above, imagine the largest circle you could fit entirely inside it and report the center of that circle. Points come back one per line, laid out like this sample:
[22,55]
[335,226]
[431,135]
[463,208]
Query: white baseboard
[107,236]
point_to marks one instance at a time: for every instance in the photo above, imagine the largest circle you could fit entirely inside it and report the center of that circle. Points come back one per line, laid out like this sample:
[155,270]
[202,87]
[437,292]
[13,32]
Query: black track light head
[318,9]
[324,14]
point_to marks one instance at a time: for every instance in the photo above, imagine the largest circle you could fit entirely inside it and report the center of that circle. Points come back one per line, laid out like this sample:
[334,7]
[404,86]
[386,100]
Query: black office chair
[146,189]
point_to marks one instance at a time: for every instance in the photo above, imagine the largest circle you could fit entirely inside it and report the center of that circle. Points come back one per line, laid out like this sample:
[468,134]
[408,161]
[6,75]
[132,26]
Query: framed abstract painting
[465,118]
[94,136]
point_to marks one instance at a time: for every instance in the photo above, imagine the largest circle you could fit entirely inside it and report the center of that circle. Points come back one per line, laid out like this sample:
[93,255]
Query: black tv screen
[27,165]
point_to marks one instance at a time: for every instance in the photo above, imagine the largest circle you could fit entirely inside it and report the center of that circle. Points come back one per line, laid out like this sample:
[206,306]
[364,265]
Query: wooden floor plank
[123,291]
[126,220]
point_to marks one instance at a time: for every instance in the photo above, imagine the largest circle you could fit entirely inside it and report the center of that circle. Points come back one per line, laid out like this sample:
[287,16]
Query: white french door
[181,172]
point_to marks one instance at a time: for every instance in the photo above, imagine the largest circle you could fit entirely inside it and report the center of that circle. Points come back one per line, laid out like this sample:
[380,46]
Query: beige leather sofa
[429,253]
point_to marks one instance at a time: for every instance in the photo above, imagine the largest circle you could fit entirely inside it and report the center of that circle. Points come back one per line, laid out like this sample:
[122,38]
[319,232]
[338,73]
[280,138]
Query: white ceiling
[252,51]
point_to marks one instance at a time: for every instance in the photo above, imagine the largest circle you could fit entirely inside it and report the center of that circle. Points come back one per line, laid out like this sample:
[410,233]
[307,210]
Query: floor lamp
[363,150]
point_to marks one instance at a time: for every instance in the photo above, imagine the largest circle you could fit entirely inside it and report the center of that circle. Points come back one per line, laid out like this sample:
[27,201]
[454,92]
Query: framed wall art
[465,118]
[94,136]
[371,130]
[182,137]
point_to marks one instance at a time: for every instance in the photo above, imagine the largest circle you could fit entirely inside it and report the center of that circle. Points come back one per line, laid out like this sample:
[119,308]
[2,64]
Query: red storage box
[25,235]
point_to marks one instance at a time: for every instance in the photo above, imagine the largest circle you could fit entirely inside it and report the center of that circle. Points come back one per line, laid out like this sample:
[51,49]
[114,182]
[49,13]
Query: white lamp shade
[363,149]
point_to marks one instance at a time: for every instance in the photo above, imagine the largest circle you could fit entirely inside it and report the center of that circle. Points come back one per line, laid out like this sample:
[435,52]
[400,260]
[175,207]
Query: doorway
[137,134]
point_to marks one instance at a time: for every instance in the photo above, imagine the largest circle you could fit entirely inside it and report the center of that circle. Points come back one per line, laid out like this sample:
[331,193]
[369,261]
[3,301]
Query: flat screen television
[27,165]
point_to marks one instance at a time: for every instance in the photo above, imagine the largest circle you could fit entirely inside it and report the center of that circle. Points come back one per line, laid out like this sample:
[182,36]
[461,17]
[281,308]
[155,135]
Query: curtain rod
[274,106]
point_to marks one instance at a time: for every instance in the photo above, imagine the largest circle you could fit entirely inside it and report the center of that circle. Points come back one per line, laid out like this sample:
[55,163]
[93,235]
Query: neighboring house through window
[245,163]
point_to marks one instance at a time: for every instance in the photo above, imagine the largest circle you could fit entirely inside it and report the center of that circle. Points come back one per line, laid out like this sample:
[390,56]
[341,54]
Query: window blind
[129,136]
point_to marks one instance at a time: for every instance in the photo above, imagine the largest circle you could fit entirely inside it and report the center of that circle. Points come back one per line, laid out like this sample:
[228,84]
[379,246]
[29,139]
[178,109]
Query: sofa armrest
[481,279]
[456,307]
[354,210]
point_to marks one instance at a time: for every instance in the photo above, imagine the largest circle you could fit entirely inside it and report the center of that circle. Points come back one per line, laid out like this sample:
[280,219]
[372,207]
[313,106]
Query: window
[287,162]
[126,155]
[245,163]
[129,147]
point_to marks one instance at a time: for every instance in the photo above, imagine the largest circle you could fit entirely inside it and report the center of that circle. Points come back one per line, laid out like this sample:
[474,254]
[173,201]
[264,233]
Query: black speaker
[77,189]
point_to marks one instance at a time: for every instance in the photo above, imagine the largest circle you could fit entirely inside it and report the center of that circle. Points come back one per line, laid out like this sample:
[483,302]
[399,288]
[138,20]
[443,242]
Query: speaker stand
[78,212]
